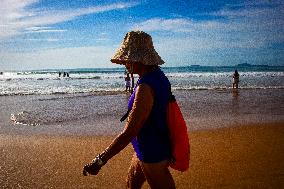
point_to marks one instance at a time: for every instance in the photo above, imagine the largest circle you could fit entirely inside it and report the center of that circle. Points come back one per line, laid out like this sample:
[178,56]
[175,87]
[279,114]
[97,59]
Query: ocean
[91,101]
[42,82]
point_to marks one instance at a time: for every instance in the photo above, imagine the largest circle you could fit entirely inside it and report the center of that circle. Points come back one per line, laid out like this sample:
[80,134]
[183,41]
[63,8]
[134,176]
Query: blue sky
[42,34]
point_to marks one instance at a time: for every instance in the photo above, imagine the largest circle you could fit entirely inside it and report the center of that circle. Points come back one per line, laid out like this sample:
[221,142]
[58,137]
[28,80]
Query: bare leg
[135,177]
[158,175]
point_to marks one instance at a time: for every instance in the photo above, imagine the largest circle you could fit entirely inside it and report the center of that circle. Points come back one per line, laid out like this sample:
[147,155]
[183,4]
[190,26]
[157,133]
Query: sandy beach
[237,140]
[248,156]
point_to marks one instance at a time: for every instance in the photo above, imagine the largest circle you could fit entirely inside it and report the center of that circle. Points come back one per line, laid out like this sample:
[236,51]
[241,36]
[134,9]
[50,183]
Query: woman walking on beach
[146,126]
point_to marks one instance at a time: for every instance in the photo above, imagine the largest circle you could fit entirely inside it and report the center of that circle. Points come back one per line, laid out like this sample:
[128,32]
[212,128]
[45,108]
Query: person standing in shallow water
[132,83]
[146,126]
[127,83]
[236,79]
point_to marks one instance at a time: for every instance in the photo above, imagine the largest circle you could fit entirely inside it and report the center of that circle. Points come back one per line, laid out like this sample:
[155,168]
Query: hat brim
[123,62]
[137,47]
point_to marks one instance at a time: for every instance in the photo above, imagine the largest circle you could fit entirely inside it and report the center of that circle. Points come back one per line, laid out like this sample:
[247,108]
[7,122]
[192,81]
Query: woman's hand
[94,167]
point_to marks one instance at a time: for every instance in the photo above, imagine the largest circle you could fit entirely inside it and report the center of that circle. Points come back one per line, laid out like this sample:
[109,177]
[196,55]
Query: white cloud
[159,24]
[42,39]
[250,27]
[76,57]
[16,16]
[42,30]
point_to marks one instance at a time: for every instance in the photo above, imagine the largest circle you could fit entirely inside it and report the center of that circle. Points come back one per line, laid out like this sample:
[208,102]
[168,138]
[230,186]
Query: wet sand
[247,156]
[99,114]
[237,140]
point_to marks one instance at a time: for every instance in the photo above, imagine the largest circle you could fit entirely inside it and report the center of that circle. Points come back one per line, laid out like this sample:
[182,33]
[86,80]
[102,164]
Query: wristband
[98,160]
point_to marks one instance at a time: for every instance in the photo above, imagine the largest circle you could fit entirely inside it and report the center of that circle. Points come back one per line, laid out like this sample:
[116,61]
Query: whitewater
[109,80]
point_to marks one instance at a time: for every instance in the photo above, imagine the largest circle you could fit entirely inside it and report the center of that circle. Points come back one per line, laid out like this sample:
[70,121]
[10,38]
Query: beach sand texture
[237,140]
[237,157]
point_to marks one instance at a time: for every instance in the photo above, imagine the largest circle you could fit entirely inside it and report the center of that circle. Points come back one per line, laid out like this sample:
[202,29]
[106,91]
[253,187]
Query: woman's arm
[142,106]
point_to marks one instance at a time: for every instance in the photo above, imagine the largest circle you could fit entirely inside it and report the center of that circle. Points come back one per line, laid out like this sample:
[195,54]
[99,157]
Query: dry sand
[248,156]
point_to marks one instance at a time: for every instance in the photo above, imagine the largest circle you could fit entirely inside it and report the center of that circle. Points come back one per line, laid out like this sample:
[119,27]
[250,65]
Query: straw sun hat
[137,46]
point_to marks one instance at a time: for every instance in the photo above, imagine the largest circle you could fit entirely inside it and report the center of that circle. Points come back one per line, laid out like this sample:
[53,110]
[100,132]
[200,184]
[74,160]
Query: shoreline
[100,114]
[122,92]
[245,156]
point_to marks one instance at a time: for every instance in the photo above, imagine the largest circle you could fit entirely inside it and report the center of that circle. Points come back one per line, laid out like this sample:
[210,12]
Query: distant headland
[237,65]
[251,65]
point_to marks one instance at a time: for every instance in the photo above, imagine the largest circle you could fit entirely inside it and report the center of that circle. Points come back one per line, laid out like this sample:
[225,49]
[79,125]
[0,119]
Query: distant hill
[250,65]
[244,65]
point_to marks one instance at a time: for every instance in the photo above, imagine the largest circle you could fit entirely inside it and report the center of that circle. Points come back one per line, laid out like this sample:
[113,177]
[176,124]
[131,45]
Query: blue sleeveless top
[152,143]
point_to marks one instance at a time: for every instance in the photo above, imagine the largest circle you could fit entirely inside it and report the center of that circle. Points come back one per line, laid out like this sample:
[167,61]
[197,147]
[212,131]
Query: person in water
[132,83]
[127,82]
[146,126]
[236,79]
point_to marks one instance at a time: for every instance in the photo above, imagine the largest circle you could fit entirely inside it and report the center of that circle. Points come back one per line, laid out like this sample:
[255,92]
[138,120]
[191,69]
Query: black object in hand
[94,167]
[91,168]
